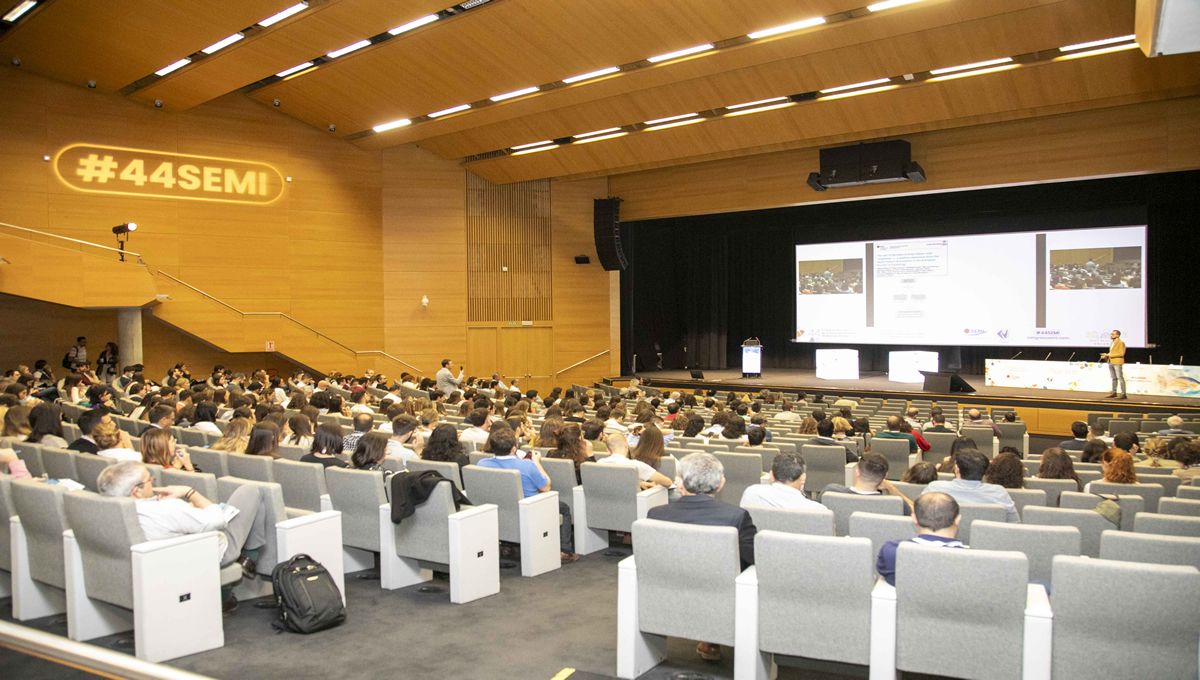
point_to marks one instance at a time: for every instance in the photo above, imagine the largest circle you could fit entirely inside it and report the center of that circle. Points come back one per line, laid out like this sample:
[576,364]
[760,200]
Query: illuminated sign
[122,171]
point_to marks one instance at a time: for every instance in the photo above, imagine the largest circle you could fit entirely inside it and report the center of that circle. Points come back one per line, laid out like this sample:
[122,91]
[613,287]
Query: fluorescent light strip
[967,67]
[681,116]
[222,44]
[770,107]
[535,150]
[532,144]
[596,132]
[452,109]
[349,48]
[591,74]
[680,53]
[392,125]
[1093,53]
[295,69]
[889,4]
[968,74]
[677,123]
[280,16]
[171,68]
[786,28]
[414,24]
[852,86]
[1096,43]
[760,102]
[515,93]
[600,138]
[844,95]
[20,10]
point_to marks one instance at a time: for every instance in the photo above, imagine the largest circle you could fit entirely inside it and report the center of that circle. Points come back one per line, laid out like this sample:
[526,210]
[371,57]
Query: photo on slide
[830,277]
[1096,268]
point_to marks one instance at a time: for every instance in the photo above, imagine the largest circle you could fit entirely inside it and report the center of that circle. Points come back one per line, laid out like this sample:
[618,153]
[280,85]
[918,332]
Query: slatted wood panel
[508,251]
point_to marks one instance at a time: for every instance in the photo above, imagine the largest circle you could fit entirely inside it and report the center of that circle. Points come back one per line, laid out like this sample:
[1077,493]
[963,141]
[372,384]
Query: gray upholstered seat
[1039,543]
[303,483]
[1052,487]
[205,483]
[984,438]
[1179,506]
[59,463]
[939,446]
[1189,492]
[501,488]
[1023,497]
[1090,524]
[1153,493]
[1130,505]
[290,452]
[897,453]
[818,522]
[425,536]
[88,467]
[357,494]
[830,581]
[668,466]
[969,512]
[7,510]
[611,493]
[1158,607]
[1014,435]
[1171,525]
[910,490]
[741,471]
[451,471]
[257,468]
[209,460]
[1131,546]
[881,528]
[533,522]
[40,507]
[686,567]
[825,465]
[1169,482]
[476,456]
[939,597]
[190,437]
[845,504]
[271,502]
[31,455]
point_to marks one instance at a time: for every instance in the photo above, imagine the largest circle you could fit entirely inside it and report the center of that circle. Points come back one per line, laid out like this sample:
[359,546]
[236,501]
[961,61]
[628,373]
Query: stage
[877,385]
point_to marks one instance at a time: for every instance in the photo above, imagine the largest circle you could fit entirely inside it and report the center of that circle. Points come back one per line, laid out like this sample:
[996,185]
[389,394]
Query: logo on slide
[973,331]
[799,333]
[1003,333]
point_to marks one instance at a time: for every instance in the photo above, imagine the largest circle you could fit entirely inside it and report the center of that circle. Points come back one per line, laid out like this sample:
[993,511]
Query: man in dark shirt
[893,432]
[88,420]
[825,438]
[936,516]
[1079,430]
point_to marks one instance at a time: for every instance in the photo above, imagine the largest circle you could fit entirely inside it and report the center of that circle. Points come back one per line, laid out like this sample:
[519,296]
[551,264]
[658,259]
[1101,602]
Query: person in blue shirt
[936,516]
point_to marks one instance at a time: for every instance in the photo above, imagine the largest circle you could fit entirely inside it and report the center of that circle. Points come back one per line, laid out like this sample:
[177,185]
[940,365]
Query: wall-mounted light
[424,301]
[122,232]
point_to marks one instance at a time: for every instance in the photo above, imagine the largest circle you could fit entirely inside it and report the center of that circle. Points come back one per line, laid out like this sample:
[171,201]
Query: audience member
[362,423]
[45,426]
[1188,456]
[1056,464]
[619,454]
[87,422]
[825,438]
[443,446]
[236,437]
[404,428]
[893,432]
[1174,426]
[160,448]
[870,479]
[1117,467]
[936,516]
[921,473]
[786,489]
[1006,470]
[975,418]
[1079,430]
[1093,451]
[968,485]
[112,442]
[264,440]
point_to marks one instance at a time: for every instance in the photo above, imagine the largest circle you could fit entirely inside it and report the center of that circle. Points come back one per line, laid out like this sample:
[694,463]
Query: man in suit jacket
[87,423]
[703,475]
[1080,430]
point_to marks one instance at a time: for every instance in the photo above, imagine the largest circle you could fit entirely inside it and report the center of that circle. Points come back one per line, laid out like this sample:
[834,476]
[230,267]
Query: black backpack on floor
[308,597]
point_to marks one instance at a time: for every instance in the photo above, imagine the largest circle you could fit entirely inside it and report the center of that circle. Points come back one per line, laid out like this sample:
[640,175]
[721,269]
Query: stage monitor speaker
[945,382]
[606,218]
[697,375]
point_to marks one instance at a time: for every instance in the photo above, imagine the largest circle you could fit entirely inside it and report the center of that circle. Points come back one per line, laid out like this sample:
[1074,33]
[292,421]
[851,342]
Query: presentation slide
[1065,288]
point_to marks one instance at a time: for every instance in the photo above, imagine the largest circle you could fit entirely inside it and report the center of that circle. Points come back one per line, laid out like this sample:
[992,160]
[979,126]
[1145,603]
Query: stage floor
[877,384]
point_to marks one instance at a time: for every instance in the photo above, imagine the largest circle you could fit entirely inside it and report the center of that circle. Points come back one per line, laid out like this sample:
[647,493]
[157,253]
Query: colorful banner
[1091,376]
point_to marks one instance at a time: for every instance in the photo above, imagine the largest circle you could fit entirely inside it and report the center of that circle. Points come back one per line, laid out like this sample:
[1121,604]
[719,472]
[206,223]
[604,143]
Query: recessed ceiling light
[1092,53]
[592,74]
[760,109]
[968,74]
[889,4]
[967,67]
[681,116]
[680,53]
[223,43]
[596,132]
[295,69]
[786,28]
[171,68]
[532,144]
[20,10]
[452,109]
[522,152]
[865,83]
[760,102]
[392,125]
[844,95]
[349,48]
[1096,43]
[599,138]
[280,16]
[677,123]
[515,93]
[415,23]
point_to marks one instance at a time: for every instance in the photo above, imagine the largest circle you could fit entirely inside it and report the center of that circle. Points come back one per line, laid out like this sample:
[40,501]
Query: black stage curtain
[697,286]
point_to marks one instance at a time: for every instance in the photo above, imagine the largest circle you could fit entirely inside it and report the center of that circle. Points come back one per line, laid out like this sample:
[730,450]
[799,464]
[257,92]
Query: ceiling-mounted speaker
[606,218]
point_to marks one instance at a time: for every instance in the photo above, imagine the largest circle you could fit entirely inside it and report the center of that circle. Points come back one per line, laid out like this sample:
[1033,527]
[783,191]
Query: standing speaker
[606,217]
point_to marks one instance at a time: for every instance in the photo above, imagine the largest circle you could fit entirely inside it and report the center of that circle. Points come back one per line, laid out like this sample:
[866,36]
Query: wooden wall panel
[508,250]
[1149,137]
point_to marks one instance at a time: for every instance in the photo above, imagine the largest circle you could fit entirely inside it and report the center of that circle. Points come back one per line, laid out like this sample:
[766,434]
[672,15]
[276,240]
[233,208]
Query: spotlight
[814,181]
[158,103]
[91,84]
[122,232]
[124,228]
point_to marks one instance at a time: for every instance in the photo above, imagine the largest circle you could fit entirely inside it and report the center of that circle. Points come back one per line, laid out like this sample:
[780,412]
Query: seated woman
[651,447]
[443,446]
[369,454]
[1117,466]
[618,449]
[300,431]
[45,426]
[921,473]
[1056,464]
[573,447]
[112,442]
[16,426]
[1006,470]
[204,418]
[236,436]
[1093,451]
[1188,455]
[1158,454]
[949,463]
[922,443]
[159,448]
[326,446]
[264,440]
[842,427]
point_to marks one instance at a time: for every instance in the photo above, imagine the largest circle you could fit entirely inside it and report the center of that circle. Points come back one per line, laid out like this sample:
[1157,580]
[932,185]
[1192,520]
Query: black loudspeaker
[582,259]
[945,382]
[697,375]
[606,217]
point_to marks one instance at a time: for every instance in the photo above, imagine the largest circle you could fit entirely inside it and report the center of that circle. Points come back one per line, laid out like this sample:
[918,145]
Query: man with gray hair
[786,490]
[1175,426]
[171,511]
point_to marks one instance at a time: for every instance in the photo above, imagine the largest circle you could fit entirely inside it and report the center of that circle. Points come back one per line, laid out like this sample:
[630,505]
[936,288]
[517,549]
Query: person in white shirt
[404,428]
[786,490]
[112,442]
[786,414]
[359,398]
[480,427]
[204,415]
[618,449]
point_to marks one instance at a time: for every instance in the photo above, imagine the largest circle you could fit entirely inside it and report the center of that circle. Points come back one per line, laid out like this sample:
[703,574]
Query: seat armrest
[1037,602]
[650,498]
[469,512]
[148,547]
[307,518]
[883,591]
[849,474]
[544,497]
[749,577]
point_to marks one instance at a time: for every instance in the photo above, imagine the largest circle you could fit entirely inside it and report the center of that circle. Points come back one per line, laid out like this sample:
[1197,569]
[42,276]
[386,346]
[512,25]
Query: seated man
[786,490]
[968,485]
[936,516]
[171,511]
[703,475]
[893,432]
[870,479]
[937,423]
[87,422]
[1175,426]
[1079,430]
[480,426]
[825,438]
[975,418]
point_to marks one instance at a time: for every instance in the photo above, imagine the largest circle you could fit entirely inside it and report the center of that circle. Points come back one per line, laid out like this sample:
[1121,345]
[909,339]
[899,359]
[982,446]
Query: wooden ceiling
[504,45]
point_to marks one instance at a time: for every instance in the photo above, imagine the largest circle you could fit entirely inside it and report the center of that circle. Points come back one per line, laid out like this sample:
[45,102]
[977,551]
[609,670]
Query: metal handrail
[580,363]
[74,240]
[289,318]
